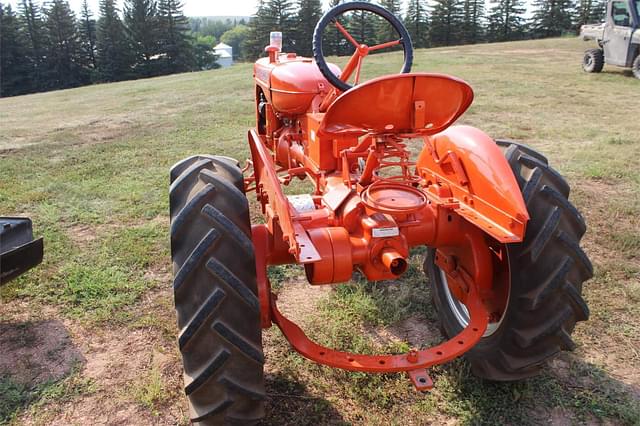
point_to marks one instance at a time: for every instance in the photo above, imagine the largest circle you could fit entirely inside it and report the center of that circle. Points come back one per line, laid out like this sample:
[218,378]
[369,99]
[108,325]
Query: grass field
[89,336]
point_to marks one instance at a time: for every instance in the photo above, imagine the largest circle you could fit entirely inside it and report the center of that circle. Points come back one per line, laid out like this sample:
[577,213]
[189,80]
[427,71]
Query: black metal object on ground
[19,252]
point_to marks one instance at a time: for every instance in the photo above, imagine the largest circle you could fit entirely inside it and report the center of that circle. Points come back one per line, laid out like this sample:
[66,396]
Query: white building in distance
[225,55]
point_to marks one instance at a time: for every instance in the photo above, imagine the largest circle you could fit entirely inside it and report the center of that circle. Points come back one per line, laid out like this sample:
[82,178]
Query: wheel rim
[460,311]
[588,61]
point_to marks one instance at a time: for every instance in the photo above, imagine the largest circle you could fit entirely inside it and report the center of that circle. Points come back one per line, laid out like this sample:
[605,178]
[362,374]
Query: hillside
[89,336]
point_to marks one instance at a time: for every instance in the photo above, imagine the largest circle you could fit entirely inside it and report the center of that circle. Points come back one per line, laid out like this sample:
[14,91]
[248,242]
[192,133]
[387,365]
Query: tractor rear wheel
[215,292]
[545,276]
[593,60]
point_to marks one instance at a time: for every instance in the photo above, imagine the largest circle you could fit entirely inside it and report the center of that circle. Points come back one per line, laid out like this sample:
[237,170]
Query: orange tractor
[504,262]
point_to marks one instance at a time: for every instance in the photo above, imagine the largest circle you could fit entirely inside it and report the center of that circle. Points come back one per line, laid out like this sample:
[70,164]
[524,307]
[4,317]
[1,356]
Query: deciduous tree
[235,38]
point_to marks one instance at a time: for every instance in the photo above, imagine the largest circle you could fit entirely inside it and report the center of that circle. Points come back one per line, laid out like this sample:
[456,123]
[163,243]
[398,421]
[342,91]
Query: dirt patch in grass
[37,352]
[135,370]
[416,330]
[82,234]
[298,300]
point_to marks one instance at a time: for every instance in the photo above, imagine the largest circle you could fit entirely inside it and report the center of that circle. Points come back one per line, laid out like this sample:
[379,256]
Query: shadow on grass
[568,391]
[289,403]
[35,360]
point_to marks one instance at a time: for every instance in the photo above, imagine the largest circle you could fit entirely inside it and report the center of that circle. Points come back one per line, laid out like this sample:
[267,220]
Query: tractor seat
[401,103]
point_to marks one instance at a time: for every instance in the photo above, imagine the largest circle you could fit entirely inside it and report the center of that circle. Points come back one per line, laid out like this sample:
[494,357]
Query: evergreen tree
[589,12]
[362,27]
[472,27]
[15,67]
[416,22]
[309,13]
[175,43]
[506,21]
[272,15]
[204,57]
[280,17]
[114,61]
[385,32]
[333,42]
[255,42]
[88,35]
[551,18]
[141,24]
[446,21]
[31,18]
[63,49]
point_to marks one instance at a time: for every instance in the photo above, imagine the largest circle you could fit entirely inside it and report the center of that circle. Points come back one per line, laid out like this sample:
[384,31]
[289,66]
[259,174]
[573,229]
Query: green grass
[90,166]
[150,391]
[17,398]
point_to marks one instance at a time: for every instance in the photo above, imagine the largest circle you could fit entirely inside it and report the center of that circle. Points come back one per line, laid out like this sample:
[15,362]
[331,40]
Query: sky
[191,7]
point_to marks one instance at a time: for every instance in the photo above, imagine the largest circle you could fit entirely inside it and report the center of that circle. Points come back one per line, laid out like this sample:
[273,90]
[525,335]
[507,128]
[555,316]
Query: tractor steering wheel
[362,50]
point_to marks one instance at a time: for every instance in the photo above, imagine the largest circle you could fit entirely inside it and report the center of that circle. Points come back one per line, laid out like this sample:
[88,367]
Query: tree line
[434,23]
[47,47]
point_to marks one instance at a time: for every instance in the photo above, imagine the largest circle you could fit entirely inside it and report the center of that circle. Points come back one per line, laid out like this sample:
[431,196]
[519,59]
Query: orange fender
[464,168]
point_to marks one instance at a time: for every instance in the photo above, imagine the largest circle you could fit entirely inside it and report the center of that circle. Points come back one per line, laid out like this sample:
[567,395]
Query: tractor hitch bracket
[415,363]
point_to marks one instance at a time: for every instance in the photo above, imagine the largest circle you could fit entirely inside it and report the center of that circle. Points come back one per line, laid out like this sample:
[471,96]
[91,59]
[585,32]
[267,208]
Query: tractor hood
[416,102]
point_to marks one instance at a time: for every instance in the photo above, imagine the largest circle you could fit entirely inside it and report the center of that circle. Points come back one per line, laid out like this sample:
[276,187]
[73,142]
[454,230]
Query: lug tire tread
[215,292]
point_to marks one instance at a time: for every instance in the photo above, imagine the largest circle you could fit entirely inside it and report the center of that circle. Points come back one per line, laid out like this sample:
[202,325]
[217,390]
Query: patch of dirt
[37,352]
[160,273]
[102,130]
[297,299]
[82,234]
[416,330]
[115,360]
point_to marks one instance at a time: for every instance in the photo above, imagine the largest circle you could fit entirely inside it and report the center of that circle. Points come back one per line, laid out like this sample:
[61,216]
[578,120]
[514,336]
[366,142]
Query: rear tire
[593,60]
[546,273]
[635,67]
[216,292]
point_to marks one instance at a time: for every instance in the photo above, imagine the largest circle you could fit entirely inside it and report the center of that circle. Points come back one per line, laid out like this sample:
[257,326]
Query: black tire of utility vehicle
[593,60]
[635,67]
[546,273]
[216,292]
